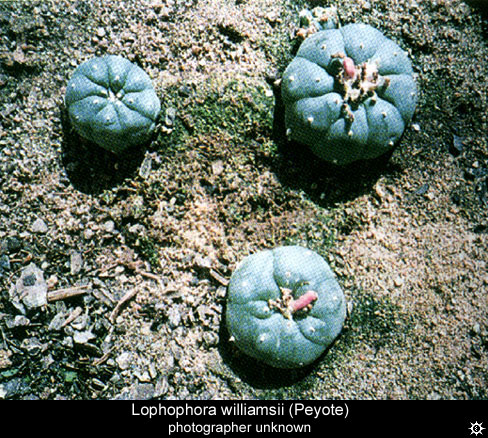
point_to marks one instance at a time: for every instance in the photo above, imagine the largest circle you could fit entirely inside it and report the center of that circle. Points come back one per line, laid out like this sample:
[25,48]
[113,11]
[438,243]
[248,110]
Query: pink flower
[303,301]
[349,67]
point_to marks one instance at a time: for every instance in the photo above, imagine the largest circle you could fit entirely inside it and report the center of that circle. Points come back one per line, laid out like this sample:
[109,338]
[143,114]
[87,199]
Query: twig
[3,338]
[132,293]
[102,359]
[103,269]
[62,294]
[216,276]
[149,275]
[152,276]
[72,316]
[107,295]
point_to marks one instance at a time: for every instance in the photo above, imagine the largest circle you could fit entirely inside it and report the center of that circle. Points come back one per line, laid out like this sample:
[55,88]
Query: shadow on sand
[92,169]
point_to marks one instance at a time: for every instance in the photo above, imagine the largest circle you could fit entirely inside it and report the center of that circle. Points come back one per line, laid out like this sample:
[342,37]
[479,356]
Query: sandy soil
[162,228]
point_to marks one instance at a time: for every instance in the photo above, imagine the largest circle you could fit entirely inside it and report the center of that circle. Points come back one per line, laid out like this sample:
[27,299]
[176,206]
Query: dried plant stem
[62,294]
[130,294]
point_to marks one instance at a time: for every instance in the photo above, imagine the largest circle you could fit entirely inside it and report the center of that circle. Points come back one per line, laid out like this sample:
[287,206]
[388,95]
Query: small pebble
[476,328]
[39,226]
[217,167]
[30,290]
[422,189]
[88,233]
[17,321]
[170,117]
[123,360]
[83,337]
[398,281]
[76,263]
[146,166]
[456,146]
[109,226]
[174,317]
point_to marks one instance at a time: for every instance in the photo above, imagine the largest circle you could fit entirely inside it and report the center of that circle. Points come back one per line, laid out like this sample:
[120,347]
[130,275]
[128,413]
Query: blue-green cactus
[284,306]
[348,94]
[319,19]
[112,102]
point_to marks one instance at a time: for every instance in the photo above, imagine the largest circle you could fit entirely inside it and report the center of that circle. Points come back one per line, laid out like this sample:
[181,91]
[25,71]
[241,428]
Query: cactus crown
[288,306]
[356,83]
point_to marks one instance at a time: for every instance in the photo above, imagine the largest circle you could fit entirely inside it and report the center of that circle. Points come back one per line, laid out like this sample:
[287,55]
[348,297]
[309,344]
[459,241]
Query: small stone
[4,263]
[398,281]
[137,229]
[456,147]
[170,117]
[211,339]
[174,317]
[88,233]
[12,245]
[13,388]
[141,391]
[30,290]
[76,262]
[81,322]
[350,307]
[5,361]
[57,322]
[123,360]
[83,337]
[109,226]
[161,388]
[47,361]
[366,6]
[32,346]
[476,328]
[101,32]
[217,167]
[67,342]
[52,281]
[185,91]
[272,17]
[204,313]
[17,321]
[143,377]
[146,167]
[39,226]
[422,190]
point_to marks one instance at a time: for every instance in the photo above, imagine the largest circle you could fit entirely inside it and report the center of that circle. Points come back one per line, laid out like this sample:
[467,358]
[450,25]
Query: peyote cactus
[284,306]
[348,94]
[317,19]
[112,102]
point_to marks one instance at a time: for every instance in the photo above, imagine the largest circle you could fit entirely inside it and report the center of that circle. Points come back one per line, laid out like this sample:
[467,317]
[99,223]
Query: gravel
[140,247]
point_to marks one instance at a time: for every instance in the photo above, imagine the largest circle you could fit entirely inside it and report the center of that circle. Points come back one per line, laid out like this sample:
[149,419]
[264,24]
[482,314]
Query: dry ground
[166,225]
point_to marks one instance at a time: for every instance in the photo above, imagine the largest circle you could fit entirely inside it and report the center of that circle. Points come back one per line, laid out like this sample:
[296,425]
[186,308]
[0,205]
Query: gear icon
[477,428]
